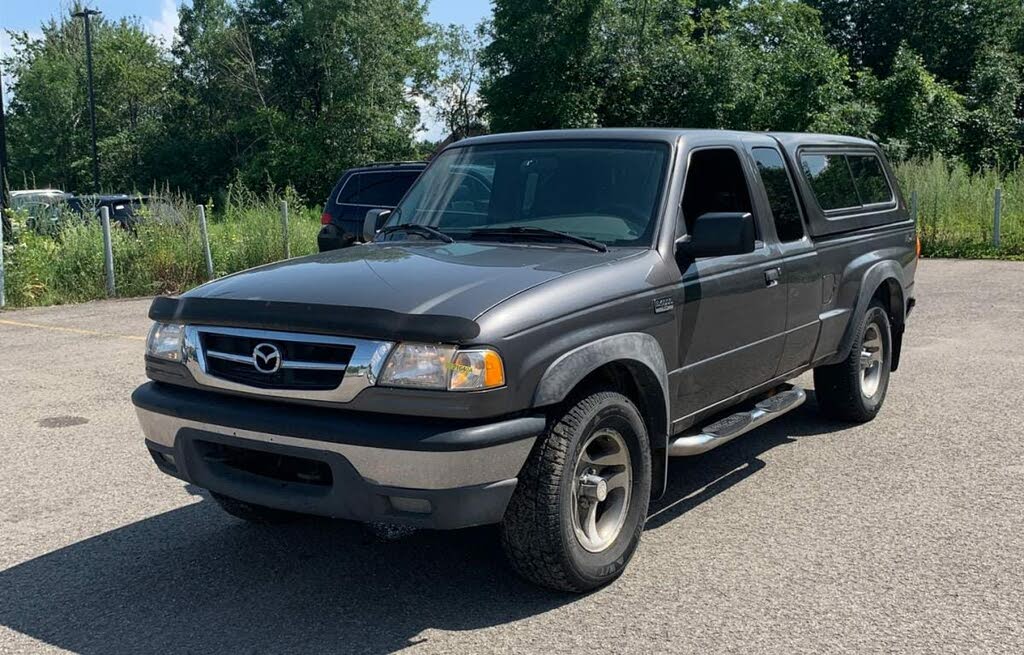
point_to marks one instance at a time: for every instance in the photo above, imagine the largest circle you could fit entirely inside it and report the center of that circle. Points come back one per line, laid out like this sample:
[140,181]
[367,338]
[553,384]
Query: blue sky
[27,14]
[161,16]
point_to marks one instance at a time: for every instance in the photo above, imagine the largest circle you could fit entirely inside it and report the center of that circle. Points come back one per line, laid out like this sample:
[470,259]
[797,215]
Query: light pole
[3,144]
[86,14]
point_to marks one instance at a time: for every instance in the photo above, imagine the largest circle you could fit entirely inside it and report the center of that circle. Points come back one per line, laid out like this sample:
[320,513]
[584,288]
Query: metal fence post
[997,219]
[913,206]
[3,297]
[284,229]
[108,250]
[206,242]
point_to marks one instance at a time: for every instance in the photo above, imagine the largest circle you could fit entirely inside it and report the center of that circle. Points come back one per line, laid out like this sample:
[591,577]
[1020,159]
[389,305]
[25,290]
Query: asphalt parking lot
[905,535]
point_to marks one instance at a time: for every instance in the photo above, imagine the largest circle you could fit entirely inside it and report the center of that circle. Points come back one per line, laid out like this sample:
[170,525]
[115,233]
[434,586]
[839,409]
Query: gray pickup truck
[543,320]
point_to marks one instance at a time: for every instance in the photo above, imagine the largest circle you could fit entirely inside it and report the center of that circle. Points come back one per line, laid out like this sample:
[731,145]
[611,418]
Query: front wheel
[579,508]
[854,389]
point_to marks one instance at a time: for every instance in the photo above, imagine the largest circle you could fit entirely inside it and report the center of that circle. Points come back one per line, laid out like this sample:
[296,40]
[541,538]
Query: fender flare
[873,278]
[636,349]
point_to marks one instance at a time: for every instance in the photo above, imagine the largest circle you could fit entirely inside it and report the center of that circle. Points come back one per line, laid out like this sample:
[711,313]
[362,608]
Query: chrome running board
[734,425]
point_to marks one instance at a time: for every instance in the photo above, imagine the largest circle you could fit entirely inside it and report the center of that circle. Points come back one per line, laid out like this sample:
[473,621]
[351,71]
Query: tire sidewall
[876,314]
[596,568]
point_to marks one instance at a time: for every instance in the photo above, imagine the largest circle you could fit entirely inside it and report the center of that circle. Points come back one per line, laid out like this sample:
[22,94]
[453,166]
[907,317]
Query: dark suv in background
[359,190]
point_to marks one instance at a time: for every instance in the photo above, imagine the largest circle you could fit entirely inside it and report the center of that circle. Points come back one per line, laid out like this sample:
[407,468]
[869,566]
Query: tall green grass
[164,255]
[956,209]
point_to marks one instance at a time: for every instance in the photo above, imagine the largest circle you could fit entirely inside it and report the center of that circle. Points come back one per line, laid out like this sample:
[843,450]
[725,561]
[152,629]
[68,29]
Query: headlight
[165,341]
[432,366]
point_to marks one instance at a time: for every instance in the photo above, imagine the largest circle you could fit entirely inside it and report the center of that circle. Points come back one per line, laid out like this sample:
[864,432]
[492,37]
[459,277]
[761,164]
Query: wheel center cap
[594,486]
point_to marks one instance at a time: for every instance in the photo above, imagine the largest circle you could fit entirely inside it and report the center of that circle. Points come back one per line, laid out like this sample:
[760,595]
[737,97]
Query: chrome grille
[306,366]
[314,366]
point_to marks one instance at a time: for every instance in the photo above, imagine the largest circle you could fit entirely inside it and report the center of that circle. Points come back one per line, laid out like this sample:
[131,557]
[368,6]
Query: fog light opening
[410,505]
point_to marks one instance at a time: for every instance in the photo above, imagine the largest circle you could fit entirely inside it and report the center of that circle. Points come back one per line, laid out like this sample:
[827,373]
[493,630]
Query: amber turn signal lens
[475,370]
[919,246]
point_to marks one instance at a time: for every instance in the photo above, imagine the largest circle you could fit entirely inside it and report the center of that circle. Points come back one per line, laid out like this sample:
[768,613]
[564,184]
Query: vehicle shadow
[694,480]
[195,580]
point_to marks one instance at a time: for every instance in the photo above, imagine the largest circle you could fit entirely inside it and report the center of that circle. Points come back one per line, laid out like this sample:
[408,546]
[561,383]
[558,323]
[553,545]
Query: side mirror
[718,234]
[375,219]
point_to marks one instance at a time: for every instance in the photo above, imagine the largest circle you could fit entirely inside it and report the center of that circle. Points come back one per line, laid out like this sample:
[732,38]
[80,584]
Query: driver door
[732,309]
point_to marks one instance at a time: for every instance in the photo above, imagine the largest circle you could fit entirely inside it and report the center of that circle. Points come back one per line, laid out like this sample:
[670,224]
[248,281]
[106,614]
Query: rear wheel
[579,508]
[253,513]
[854,389]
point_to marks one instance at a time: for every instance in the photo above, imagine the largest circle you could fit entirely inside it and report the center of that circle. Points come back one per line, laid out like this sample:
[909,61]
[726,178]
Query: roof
[664,135]
[37,192]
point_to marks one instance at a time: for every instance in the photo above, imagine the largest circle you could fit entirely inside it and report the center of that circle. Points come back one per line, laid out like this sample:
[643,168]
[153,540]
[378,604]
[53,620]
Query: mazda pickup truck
[539,324]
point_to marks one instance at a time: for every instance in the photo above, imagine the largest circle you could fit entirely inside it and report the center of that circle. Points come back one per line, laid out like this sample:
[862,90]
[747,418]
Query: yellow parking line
[55,328]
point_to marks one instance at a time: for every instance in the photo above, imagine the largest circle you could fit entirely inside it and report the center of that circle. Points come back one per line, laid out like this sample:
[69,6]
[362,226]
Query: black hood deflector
[365,322]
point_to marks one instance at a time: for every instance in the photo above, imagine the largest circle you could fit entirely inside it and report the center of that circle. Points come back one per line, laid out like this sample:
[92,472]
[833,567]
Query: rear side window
[846,181]
[781,195]
[382,189]
[870,179]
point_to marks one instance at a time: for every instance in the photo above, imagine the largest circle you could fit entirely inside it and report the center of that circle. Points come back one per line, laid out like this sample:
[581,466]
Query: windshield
[605,191]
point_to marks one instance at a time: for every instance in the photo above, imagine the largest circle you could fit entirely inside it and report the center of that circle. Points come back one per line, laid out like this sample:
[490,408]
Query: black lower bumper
[363,467]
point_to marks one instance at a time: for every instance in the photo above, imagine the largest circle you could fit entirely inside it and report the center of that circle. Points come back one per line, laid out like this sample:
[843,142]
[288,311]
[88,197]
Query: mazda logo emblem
[266,357]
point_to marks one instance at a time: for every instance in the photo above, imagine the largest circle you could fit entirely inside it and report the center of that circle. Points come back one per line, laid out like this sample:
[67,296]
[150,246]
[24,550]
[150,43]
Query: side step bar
[734,425]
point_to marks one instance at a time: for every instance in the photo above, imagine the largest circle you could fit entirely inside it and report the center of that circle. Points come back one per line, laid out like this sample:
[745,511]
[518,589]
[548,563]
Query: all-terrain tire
[537,532]
[841,389]
[253,513]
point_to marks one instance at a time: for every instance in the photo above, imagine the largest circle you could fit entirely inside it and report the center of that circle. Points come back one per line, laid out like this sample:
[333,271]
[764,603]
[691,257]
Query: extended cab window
[715,183]
[846,181]
[383,189]
[781,194]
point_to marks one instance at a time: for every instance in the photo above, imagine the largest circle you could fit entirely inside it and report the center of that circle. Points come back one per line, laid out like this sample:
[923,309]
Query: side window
[781,194]
[715,182]
[376,189]
[846,181]
[831,181]
[870,179]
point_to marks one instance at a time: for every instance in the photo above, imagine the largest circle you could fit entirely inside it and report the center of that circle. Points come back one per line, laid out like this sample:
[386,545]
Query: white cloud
[165,26]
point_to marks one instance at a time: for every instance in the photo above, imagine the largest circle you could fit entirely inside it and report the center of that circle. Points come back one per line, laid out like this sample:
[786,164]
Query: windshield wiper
[520,230]
[422,230]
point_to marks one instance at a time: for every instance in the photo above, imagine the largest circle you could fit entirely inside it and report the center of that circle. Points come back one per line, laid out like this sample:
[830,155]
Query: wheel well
[890,294]
[641,385]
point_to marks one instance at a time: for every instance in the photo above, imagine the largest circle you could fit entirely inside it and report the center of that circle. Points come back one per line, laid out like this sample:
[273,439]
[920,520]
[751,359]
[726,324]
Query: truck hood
[458,279]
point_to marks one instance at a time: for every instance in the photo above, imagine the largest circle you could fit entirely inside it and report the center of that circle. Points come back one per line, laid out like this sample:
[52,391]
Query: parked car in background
[124,209]
[377,186]
[44,206]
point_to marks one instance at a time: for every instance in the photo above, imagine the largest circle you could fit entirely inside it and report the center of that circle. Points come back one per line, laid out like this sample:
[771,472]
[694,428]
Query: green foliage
[453,92]
[164,255]
[48,120]
[956,208]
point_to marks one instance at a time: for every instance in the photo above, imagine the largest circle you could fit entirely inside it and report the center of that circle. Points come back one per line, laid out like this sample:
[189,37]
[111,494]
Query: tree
[543,63]
[454,94]
[763,64]
[992,132]
[294,91]
[918,114]
[49,142]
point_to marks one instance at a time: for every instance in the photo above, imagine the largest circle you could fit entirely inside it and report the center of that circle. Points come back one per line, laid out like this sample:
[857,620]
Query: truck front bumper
[436,473]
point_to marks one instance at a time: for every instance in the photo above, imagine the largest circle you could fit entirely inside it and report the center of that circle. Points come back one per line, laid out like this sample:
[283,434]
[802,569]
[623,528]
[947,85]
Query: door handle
[771,277]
